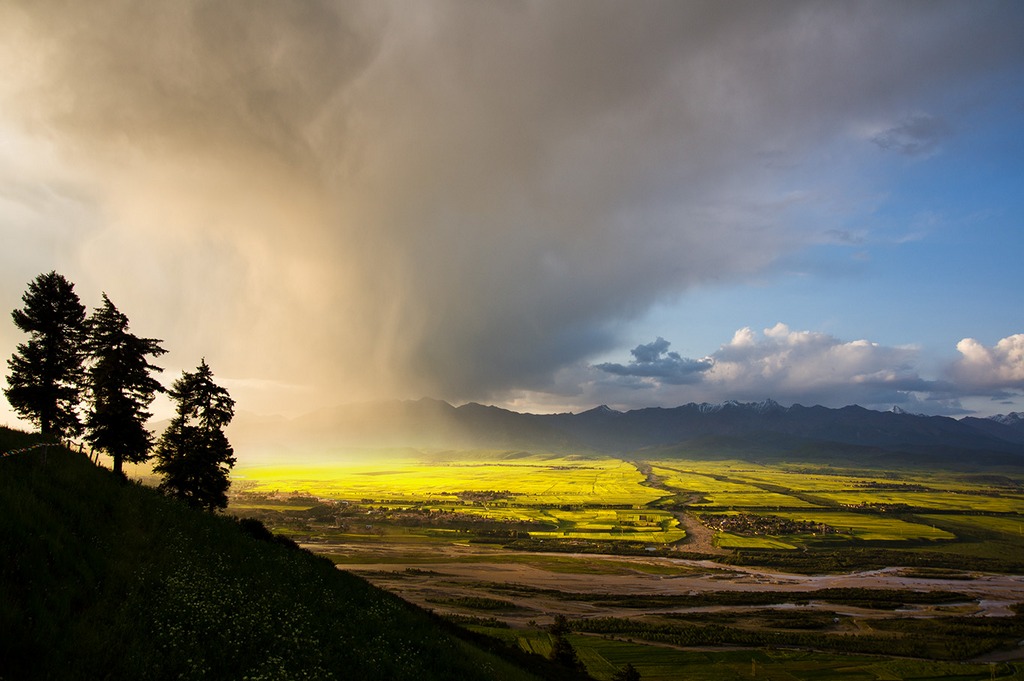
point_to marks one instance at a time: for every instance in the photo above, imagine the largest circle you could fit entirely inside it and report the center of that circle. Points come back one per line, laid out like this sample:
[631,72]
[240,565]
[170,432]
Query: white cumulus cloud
[788,365]
[809,366]
[984,368]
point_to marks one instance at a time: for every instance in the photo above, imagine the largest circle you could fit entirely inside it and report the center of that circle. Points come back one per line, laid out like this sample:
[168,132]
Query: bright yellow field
[861,526]
[605,498]
[727,540]
[755,499]
[647,526]
[693,481]
[1011,527]
[937,500]
[531,481]
[799,481]
[807,482]
[645,537]
[870,526]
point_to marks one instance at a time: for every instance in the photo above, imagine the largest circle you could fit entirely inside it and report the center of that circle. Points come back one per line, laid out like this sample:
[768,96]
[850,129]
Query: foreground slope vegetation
[102,578]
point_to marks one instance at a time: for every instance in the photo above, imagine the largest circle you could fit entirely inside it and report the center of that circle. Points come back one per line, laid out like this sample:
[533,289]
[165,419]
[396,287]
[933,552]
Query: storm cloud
[446,198]
[654,360]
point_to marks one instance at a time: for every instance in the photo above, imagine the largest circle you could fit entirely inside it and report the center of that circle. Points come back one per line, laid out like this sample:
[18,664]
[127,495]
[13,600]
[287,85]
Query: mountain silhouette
[723,430]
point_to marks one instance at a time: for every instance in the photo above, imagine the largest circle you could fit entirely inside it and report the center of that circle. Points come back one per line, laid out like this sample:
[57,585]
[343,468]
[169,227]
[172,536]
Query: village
[762,525]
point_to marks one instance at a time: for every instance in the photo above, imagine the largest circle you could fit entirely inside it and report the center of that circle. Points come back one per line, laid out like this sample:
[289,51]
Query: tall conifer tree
[194,455]
[121,386]
[46,372]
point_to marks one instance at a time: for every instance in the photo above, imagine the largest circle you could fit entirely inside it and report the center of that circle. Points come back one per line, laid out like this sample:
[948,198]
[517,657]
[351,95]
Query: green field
[604,656]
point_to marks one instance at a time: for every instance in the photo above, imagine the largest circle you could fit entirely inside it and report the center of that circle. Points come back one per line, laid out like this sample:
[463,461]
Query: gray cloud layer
[446,198]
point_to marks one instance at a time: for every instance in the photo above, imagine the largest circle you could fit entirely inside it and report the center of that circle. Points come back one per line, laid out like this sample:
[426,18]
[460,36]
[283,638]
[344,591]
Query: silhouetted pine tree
[121,386]
[562,651]
[45,383]
[564,654]
[193,454]
[627,673]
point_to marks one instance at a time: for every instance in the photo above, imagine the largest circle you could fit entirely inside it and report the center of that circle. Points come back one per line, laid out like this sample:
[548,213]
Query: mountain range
[759,430]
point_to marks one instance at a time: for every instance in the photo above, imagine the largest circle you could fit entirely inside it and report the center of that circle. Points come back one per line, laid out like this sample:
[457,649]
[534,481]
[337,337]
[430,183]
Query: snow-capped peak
[762,407]
[1011,419]
[765,406]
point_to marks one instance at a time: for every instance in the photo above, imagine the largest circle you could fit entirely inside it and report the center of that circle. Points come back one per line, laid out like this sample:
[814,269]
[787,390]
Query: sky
[544,206]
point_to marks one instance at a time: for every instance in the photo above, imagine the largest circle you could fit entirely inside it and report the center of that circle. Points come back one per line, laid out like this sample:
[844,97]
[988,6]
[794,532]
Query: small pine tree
[559,626]
[45,383]
[627,673]
[562,652]
[121,387]
[193,454]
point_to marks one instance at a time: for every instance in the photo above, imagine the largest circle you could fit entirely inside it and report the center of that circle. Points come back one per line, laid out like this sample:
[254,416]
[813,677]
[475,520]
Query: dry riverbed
[536,584]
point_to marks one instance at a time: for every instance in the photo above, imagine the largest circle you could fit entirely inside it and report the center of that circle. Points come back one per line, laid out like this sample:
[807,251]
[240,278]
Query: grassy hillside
[105,579]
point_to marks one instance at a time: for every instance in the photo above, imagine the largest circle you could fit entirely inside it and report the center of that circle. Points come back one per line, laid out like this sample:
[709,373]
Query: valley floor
[516,594]
[684,569]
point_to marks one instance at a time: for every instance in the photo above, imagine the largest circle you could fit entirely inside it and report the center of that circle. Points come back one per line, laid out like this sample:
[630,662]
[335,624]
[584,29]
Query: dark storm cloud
[654,360]
[453,198]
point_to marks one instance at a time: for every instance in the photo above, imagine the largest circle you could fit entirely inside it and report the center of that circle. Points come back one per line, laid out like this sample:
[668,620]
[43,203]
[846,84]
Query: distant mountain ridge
[752,429]
[768,425]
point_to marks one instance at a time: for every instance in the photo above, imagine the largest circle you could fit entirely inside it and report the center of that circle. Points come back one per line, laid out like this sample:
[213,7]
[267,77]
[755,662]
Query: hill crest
[104,578]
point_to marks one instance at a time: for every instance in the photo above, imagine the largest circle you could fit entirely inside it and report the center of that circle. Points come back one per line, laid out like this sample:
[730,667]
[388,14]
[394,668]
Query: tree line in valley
[88,375]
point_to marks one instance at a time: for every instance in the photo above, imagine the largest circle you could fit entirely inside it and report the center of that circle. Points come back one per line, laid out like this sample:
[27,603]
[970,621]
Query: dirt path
[699,537]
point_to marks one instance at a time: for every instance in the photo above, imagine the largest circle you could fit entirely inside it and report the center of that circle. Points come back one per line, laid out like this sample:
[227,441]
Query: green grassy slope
[105,579]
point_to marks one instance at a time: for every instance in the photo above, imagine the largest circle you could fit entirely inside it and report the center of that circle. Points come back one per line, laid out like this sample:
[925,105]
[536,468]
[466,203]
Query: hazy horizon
[540,206]
[579,410]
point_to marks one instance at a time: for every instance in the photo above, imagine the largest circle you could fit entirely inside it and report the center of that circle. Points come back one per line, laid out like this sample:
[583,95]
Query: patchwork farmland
[655,562]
